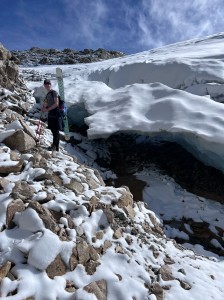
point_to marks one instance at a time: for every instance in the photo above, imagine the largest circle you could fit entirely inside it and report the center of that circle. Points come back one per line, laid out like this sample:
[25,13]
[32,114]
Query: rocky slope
[101,240]
[37,56]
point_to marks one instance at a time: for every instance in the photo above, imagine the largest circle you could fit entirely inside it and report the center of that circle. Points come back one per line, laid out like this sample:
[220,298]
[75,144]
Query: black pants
[54,124]
[56,138]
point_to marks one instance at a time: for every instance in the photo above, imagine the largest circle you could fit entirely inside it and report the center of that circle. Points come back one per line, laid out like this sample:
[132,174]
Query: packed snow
[162,92]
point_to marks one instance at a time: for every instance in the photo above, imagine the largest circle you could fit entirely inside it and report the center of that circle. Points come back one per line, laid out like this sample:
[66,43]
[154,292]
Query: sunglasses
[47,83]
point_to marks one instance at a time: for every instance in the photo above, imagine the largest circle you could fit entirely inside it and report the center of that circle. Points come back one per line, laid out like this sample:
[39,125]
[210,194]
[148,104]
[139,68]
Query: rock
[13,207]
[93,178]
[11,162]
[120,215]
[50,175]
[70,287]
[73,262]
[125,199]
[16,109]
[75,186]
[166,273]
[20,141]
[129,240]
[56,268]
[107,244]
[79,230]
[99,235]
[3,106]
[91,206]
[36,158]
[86,255]
[12,115]
[22,190]
[182,271]
[3,183]
[110,215]
[117,233]
[4,53]
[7,168]
[25,106]
[37,56]
[4,270]
[46,216]
[129,211]
[82,252]
[27,129]
[93,254]
[98,288]
[14,155]
[185,285]
[91,266]
[119,249]
[157,290]
[9,71]
[168,260]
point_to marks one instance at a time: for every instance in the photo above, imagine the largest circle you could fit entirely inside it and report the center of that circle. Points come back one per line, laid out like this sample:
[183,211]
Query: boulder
[7,167]
[20,141]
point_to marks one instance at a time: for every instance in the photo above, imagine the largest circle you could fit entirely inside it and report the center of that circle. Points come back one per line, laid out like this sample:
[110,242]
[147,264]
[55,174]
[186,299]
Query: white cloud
[164,22]
[85,20]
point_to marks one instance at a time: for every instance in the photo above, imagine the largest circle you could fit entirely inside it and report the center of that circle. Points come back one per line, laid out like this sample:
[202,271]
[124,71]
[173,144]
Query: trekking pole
[39,129]
[40,125]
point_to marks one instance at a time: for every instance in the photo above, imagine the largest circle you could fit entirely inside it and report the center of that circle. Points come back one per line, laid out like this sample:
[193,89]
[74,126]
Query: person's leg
[54,126]
[57,140]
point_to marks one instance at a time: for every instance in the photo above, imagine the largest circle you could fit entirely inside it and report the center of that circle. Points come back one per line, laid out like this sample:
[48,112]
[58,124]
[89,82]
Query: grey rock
[4,269]
[23,191]
[20,141]
[13,207]
[75,186]
[56,268]
[98,288]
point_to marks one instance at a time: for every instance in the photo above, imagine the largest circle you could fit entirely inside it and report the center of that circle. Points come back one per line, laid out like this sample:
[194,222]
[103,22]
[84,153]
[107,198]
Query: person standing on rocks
[55,122]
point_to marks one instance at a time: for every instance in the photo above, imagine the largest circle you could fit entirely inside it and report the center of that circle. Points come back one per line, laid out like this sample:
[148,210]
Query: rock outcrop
[9,72]
[38,56]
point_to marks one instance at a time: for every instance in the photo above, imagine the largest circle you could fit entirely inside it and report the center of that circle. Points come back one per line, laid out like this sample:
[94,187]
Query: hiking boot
[52,148]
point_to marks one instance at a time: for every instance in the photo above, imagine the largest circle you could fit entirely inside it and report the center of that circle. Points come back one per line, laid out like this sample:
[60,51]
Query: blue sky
[129,26]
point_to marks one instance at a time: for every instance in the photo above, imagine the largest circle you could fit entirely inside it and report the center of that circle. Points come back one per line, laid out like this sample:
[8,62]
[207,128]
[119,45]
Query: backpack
[61,105]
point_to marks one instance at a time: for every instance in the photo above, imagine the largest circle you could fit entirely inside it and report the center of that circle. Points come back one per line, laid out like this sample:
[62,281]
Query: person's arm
[56,102]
